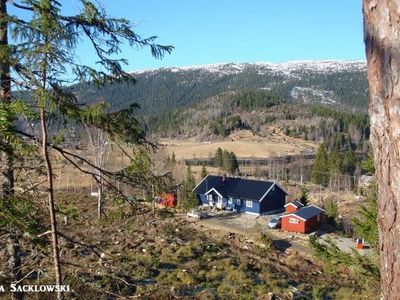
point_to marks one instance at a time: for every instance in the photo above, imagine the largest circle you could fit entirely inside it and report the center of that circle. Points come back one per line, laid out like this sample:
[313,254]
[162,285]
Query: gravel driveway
[252,226]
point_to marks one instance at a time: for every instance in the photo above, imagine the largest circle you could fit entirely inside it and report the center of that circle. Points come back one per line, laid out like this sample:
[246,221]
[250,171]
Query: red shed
[293,206]
[304,220]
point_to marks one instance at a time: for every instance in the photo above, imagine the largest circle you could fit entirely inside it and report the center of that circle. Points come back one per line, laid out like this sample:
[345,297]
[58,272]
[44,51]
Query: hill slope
[334,83]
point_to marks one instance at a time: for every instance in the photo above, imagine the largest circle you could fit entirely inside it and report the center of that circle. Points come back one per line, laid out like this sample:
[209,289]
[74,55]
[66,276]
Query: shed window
[230,200]
[293,221]
[239,202]
[209,197]
[249,203]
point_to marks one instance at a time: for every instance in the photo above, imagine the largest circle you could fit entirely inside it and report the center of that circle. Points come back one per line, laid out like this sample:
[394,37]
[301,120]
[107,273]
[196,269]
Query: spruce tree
[320,169]
[303,195]
[188,198]
[349,162]
[204,171]
[218,158]
[366,224]
[233,164]
[226,161]
[331,210]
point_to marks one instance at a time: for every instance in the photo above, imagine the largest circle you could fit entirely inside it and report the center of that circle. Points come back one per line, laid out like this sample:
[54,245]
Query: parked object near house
[303,220]
[293,206]
[197,214]
[274,223]
[243,195]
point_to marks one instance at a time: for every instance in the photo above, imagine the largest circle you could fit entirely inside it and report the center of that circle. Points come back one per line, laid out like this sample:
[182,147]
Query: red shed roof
[306,213]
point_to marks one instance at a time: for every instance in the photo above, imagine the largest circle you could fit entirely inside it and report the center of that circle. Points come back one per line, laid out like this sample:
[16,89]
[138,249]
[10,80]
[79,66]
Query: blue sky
[212,31]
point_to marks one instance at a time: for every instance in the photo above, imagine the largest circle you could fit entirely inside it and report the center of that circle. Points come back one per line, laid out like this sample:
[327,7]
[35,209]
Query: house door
[210,200]
[213,200]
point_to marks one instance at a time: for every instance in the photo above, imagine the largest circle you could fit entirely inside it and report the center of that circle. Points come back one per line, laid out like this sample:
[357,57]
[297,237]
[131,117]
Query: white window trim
[209,197]
[293,220]
[249,203]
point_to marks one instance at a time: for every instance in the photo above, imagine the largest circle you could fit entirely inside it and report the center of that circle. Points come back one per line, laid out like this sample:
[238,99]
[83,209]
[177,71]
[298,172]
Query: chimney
[224,178]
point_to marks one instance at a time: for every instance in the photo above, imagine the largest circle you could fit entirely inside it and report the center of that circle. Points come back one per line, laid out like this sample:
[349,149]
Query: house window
[239,202]
[230,200]
[209,197]
[249,203]
[293,221]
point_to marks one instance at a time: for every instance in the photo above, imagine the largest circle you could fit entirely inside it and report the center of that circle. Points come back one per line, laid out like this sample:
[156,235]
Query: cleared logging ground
[139,254]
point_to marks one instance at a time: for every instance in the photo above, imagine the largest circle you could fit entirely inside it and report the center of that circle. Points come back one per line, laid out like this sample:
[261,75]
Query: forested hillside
[302,99]
[262,112]
[334,83]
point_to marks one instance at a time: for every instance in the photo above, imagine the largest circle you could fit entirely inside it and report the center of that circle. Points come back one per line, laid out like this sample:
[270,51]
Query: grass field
[243,143]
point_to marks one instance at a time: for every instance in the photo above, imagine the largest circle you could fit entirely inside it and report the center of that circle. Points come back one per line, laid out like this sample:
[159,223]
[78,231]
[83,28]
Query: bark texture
[382,42]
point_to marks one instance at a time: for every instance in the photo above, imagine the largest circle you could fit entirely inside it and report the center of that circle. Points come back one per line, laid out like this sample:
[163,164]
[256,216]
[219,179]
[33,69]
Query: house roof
[296,204]
[307,212]
[235,187]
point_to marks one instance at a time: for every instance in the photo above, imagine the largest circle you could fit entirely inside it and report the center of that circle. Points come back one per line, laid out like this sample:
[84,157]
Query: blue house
[245,195]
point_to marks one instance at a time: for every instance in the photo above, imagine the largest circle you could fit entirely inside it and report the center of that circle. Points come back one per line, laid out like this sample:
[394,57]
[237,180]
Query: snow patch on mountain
[309,95]
[290,69]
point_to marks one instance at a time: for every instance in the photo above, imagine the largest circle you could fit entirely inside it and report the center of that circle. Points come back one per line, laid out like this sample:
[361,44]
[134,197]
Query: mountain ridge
[215,66]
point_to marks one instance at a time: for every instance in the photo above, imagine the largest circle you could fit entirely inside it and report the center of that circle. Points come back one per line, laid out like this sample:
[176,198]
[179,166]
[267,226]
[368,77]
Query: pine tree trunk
[50,192]
[382,42]
[7,170]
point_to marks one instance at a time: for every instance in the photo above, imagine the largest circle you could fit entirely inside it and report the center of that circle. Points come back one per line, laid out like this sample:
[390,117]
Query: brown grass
[243,143]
